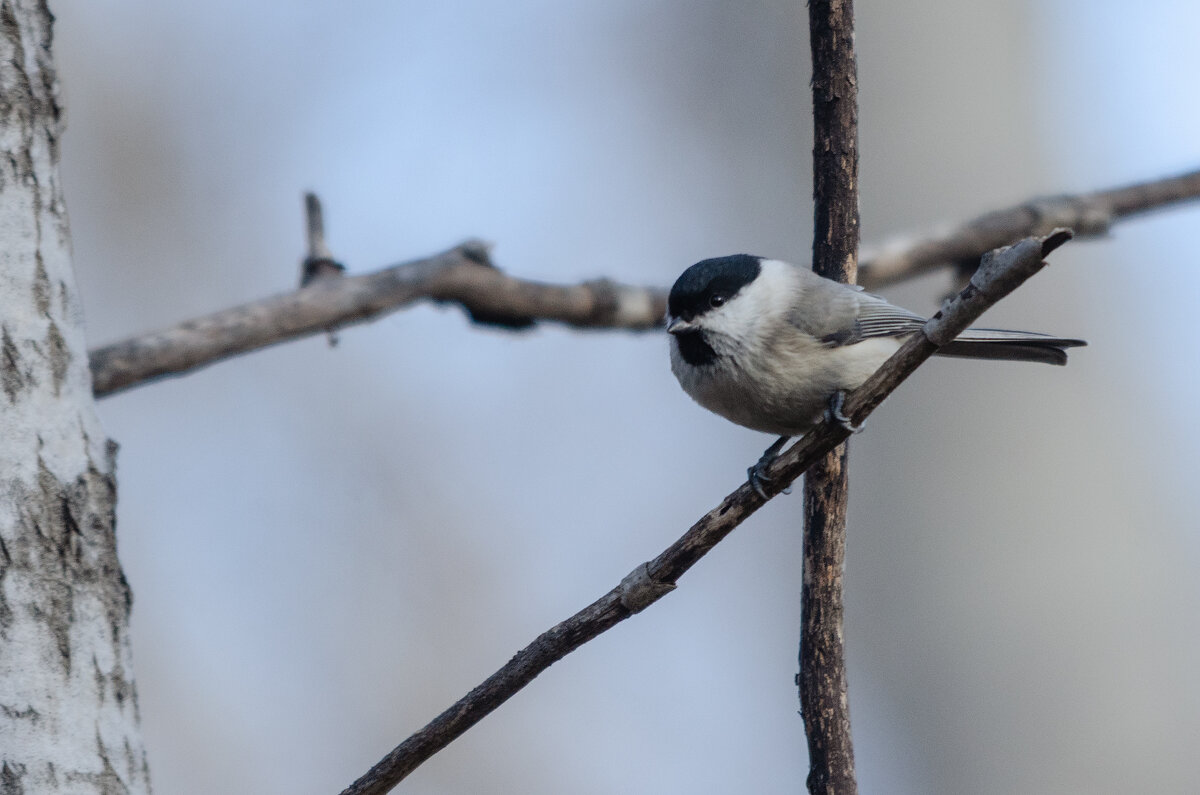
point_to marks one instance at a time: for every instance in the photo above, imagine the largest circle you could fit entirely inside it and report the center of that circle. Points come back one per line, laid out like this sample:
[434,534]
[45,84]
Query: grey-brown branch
[1001,273]
[824,702]
[1089,214]
[465,276]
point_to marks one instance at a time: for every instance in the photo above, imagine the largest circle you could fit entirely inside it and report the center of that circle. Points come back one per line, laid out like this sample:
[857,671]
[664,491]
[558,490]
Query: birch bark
[68,708]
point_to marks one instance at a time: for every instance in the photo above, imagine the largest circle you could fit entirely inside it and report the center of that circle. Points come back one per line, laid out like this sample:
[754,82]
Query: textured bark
[822,678]
[68,708]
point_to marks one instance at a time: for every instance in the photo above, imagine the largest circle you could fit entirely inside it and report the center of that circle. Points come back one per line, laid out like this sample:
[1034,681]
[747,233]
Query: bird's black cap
[696,287]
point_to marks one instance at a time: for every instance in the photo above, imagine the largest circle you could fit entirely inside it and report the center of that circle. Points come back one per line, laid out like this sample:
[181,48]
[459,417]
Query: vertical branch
[835,139]
[822,678]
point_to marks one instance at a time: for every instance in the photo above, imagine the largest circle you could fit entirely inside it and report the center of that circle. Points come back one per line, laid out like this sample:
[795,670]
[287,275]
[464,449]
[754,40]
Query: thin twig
[319,264]
[490,296]
[652,580]
[822,678]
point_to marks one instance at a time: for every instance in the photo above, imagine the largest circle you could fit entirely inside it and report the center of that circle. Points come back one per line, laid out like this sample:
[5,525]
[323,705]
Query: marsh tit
[773,346]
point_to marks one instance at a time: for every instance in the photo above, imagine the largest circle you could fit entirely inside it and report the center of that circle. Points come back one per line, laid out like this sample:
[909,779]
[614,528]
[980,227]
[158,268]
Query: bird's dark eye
[716,301]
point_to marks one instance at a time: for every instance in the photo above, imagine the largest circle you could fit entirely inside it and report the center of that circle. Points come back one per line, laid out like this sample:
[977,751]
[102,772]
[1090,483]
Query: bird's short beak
[677,326]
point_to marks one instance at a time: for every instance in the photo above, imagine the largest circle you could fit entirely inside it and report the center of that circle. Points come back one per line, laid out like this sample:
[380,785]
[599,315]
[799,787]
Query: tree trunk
[68,708]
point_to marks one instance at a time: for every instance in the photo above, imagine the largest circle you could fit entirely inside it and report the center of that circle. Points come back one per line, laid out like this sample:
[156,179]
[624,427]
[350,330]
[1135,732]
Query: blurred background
[329,546]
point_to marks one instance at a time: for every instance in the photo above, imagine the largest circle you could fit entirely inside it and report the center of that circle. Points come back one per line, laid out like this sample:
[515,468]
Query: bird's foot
[758,473]
[834,413]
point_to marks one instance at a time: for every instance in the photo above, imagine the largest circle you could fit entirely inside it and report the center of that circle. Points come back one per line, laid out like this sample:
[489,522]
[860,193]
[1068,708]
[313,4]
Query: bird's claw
[757,474]
[834,413]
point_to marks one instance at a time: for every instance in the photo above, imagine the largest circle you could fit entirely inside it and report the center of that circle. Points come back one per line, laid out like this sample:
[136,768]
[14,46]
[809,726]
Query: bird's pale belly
[783,393]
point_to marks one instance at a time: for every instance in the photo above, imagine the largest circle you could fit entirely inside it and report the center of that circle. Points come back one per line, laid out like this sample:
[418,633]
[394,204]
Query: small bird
[774,347]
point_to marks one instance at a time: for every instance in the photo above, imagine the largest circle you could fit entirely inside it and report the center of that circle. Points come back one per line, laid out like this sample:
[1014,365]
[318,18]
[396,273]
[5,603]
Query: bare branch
[462,275]
[491,297]
[822,679]
[652,580]
[1089,214]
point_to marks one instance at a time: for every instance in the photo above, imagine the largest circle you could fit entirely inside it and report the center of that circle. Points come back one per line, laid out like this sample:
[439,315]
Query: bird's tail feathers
[1015,346]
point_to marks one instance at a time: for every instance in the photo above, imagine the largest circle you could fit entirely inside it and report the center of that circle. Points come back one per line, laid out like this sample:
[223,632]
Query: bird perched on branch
[775,347]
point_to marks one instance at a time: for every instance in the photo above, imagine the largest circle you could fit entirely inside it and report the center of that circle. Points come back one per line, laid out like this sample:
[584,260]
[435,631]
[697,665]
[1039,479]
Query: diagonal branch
[1089,214]
[649,582]
[465,275]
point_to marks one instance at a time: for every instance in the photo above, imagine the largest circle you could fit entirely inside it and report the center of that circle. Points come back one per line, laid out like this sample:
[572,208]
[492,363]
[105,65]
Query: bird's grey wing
[878,318]
[840,314]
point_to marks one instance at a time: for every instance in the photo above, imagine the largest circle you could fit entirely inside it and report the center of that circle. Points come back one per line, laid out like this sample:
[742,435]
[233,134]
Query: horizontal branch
[1089,214]
[466,276]
[462,275]
[1000,273]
